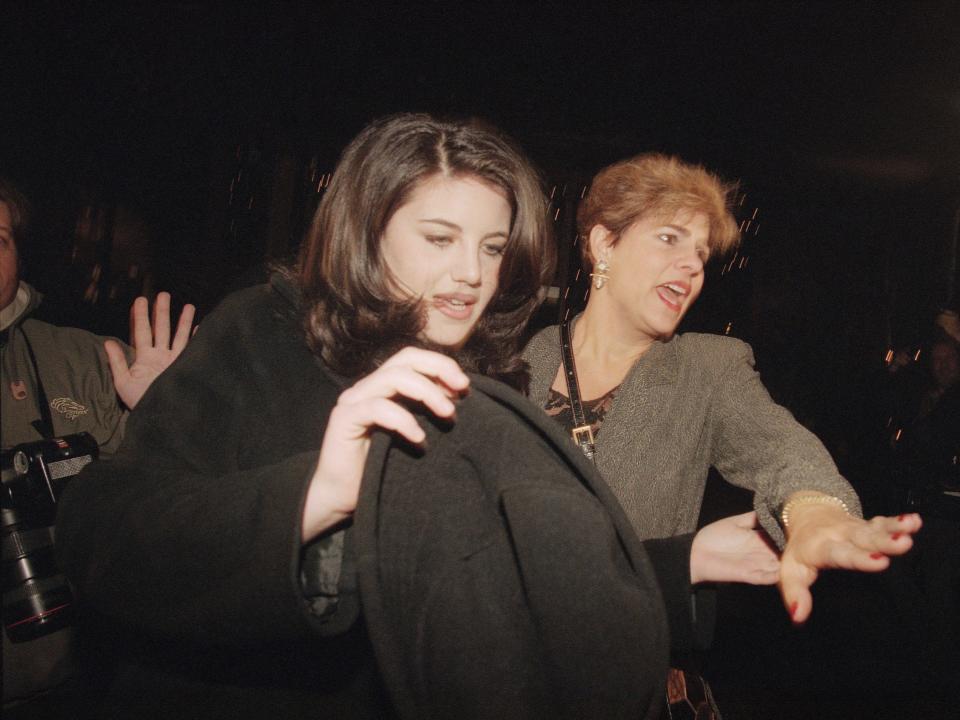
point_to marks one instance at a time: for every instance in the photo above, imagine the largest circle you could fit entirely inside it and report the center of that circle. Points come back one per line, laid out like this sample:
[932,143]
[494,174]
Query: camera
[36,597]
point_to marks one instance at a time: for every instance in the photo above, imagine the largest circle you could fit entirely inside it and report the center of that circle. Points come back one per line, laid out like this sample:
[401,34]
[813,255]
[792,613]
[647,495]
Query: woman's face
[656,270]
[445,245]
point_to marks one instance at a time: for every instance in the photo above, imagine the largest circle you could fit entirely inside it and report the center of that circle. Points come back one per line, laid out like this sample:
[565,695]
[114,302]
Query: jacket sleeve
[184,532]
[691,611]
[759,445]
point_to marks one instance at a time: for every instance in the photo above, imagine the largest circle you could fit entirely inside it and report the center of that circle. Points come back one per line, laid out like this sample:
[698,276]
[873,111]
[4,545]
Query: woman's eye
[440,240]
[668,238]
[494,250]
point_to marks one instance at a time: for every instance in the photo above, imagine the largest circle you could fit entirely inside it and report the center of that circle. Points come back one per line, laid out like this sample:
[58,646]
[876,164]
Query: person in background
[58,381]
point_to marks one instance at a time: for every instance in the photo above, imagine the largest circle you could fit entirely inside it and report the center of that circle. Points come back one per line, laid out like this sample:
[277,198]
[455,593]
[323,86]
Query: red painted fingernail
[901,517]
[896,536]
[793,609]
[876,555]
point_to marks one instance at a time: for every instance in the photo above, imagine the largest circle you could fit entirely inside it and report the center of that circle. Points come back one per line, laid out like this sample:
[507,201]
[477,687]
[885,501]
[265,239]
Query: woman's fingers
[384,413]
[847,556]
[847,543]
[420,375]
[795,582]
[432,364]
[403,382]
[886,535]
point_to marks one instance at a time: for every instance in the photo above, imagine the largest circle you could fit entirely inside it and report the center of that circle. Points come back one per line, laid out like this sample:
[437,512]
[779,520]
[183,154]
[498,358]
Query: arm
[197,526]
[728,550]
[762,447]
[758,445]
[192,527]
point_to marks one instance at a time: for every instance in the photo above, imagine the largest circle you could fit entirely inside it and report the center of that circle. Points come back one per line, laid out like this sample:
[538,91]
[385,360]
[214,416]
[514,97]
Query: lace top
[558,407]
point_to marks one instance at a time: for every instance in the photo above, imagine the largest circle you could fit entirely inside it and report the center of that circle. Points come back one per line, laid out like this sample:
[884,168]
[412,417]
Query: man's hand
[153,351]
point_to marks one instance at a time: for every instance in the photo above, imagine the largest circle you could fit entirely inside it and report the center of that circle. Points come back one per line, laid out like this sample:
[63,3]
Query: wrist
[804,505]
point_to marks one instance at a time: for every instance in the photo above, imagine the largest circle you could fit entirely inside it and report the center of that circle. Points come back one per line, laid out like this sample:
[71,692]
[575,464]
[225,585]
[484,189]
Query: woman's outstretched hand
[825,536]
[427,377]
[732,550]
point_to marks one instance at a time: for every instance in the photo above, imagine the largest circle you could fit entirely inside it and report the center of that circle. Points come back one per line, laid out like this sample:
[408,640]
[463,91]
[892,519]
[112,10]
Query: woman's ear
[601,240]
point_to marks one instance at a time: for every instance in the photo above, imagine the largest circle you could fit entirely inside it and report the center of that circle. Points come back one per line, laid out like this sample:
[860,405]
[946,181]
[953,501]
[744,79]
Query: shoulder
[253,338]
[708,351]
[254,316]
[543,344]
[70,343]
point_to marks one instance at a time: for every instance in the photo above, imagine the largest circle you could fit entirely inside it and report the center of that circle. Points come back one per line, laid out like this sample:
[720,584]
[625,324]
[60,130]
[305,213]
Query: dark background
[181,145]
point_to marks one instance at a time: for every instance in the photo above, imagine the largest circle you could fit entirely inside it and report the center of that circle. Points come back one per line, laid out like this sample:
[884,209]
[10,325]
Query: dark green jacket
[76,378]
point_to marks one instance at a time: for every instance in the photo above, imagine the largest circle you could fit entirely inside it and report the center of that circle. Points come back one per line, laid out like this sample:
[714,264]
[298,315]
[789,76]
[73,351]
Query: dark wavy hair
[353,317]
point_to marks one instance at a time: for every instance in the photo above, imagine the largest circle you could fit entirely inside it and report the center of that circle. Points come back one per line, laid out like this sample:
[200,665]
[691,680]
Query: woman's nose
[466,268]
[691,260]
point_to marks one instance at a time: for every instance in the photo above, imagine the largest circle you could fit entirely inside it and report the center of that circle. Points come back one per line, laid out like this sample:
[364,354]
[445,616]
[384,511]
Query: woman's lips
[673,295]
[457,307]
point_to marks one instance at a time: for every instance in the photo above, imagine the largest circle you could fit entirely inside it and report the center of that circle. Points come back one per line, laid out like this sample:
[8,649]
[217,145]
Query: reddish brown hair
[652,183]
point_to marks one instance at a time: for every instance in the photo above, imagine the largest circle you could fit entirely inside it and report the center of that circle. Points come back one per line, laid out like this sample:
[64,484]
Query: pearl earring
[600,277]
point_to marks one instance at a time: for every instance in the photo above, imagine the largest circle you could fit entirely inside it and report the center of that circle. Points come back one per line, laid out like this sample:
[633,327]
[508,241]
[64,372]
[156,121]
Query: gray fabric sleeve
[759,445]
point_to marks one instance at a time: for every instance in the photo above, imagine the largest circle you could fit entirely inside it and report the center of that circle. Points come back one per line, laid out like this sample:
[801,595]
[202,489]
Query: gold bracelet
[809,499]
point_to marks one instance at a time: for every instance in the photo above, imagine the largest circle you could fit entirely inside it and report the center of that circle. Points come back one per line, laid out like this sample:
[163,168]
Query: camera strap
[44,425]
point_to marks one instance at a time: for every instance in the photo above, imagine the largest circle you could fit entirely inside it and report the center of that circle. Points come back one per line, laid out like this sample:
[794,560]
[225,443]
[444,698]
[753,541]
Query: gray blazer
[686,404]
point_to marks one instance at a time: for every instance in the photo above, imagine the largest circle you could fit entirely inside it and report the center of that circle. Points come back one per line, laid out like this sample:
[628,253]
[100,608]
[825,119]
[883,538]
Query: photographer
[63,381]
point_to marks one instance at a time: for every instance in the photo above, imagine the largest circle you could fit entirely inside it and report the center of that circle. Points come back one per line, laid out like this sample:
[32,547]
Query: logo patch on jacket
[66,406]
[18,388]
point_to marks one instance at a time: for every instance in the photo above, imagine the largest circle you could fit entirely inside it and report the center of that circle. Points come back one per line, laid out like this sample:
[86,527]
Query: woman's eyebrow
[680,229]
[445,223]
[454,226]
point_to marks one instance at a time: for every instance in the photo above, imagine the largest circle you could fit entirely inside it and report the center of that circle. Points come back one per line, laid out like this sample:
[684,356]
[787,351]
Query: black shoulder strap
[582,431]
[44,425]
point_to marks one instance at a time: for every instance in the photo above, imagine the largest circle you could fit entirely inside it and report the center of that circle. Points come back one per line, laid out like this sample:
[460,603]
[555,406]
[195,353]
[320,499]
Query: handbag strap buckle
[583,435]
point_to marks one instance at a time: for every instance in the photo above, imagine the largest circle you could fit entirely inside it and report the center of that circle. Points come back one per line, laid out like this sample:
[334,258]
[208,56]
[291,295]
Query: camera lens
[36,597]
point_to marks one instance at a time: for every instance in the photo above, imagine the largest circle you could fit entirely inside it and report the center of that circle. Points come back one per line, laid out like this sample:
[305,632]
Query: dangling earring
[600,277]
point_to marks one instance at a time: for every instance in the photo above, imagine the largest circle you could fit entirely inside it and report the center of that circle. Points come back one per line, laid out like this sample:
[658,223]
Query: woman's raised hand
[825,536]
[424,376]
